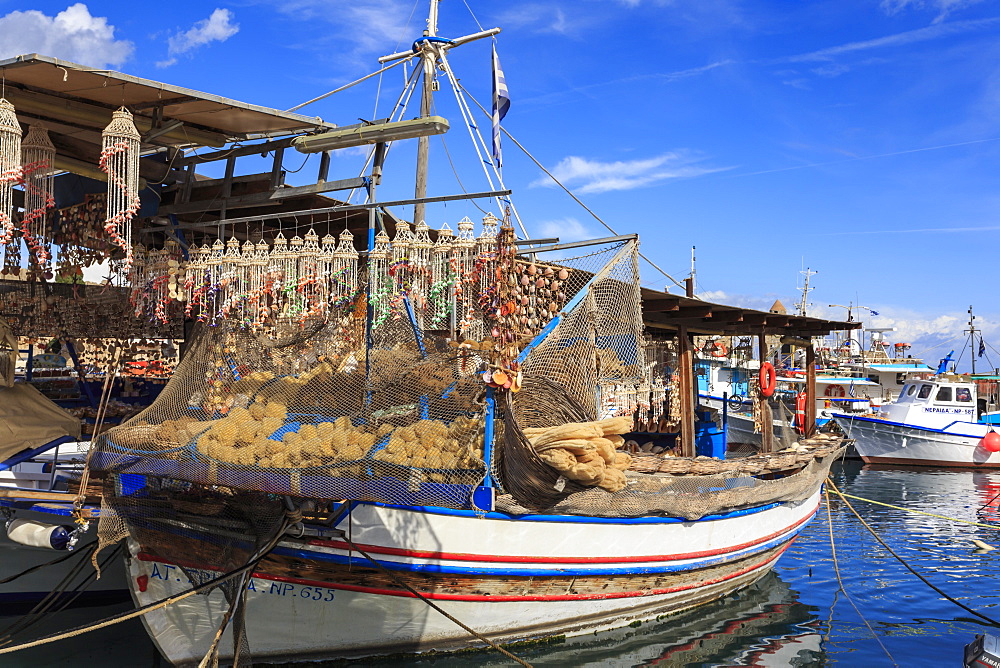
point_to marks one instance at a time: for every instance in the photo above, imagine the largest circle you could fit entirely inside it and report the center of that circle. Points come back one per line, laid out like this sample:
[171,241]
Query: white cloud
[218,27]
[72,34]
[374,26]
[937,31]
[564,229]
[593,176]
[942,7]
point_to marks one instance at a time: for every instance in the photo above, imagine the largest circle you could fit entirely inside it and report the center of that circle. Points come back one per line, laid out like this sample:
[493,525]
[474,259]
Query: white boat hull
[508,578]
[883,442]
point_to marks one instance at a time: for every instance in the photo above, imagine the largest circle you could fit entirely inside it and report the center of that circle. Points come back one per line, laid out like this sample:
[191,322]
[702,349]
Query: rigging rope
[567,190]
[353,83]
[907,565]
[431,603]
[151,607]
[921,512]
[840,581]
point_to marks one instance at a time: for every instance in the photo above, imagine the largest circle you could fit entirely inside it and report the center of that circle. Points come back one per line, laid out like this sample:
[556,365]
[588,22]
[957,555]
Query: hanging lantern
[120,161]
[10,169]
[37,154]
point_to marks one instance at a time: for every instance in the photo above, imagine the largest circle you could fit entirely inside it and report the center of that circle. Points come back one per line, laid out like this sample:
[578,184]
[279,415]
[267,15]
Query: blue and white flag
[982,346]
[851,391]
[873,312]
[501,103]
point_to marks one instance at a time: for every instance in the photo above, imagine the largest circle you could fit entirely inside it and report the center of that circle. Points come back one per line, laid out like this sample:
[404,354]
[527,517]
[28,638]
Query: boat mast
[805,290]
[428,58]
[972,339]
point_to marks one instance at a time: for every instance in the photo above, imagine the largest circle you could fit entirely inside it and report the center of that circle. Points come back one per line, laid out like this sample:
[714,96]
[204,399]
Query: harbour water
[796,616]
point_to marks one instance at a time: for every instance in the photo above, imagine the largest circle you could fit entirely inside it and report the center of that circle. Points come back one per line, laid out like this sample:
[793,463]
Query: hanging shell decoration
[10,169]
[37,154]
[120,161]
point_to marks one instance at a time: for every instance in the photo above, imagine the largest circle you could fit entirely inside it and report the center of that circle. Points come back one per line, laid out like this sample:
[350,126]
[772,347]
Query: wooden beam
[660,305]
[319,187]
[810,417]
[767,429]
[694,311]
[685,355]
[240,202]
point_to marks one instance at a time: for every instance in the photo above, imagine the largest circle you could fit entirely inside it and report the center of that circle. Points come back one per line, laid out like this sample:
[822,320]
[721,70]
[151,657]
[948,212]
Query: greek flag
[851,391]
[501,103]
[982,346]
[873,312]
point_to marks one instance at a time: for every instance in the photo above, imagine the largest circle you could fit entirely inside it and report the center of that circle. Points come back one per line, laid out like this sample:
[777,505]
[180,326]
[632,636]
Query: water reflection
[795,616]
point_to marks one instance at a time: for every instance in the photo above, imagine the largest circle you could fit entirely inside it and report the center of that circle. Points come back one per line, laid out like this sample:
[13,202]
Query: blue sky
[860,138]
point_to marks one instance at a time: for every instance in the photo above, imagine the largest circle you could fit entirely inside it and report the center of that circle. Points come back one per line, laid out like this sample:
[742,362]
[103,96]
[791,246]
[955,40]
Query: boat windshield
[925,391]
[943,394]
[963,394]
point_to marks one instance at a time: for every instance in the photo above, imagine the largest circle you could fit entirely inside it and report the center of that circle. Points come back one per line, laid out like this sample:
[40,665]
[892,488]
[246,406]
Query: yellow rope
[919,512]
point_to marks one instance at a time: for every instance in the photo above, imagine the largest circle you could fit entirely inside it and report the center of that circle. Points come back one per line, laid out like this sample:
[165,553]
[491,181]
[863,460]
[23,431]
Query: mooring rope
[840,582]
[907,565]
[919,512]
[151,607]
[431,603]
[57,560]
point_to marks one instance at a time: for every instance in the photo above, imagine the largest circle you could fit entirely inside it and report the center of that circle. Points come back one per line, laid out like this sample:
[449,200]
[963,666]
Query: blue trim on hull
[437,569]
[574,519]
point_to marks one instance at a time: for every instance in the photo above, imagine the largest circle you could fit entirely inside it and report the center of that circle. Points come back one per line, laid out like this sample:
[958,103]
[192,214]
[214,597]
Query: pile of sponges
[585,452]
[434,444]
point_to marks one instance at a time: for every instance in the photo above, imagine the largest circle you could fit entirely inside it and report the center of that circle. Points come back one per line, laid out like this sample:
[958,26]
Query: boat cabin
[935,403]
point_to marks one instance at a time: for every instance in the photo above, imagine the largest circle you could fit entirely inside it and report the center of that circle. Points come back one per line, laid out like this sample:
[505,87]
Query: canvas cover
[29,420]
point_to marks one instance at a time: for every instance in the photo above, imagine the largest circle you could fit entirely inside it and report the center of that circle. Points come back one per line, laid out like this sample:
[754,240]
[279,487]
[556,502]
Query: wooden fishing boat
[430,440]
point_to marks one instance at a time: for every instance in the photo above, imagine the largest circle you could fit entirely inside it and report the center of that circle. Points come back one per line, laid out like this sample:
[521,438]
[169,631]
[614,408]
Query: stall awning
[76,102]
[664,311]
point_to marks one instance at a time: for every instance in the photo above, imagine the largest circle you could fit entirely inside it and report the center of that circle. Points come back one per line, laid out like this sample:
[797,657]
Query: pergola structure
[684,317]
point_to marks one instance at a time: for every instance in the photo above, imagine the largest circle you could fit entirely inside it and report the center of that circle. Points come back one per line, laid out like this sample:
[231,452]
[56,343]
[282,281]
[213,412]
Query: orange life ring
[767,380]
[835,391]
[719,349]
[799,420]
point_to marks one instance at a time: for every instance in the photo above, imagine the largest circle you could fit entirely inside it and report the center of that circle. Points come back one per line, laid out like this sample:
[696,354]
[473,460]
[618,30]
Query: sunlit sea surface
[796,616]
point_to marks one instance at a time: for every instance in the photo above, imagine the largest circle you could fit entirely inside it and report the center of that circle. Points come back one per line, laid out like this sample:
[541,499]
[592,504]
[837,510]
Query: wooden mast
[428,57]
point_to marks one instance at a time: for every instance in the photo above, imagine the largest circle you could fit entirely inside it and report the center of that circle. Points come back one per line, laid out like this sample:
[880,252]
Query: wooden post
[810,426]
[767,429]
[685,367]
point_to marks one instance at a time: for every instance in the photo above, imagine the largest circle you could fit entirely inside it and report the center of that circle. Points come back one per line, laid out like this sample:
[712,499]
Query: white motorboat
[934,422]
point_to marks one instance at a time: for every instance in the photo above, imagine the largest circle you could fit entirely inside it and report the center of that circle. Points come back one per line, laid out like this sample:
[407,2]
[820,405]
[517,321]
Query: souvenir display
[37,154]
[120,161]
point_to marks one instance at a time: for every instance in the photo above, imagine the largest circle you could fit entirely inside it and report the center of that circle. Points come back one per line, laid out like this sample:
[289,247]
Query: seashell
[524,300]
[500,378]
[553,307]
[563,274]
[495,332]
[531,289]
[561,296]
[549,271]
[540,283]
[532,270]
[524,320]
[487,377]
[525,280]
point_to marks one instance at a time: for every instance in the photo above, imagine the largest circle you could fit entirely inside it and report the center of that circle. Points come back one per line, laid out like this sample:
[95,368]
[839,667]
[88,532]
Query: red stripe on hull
[489,558]
[499,598]
[908,461]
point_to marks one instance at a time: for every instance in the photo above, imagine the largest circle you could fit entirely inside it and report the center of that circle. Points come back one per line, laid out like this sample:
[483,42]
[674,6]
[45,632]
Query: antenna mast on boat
[805,290]
[693,283]
[972,339]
